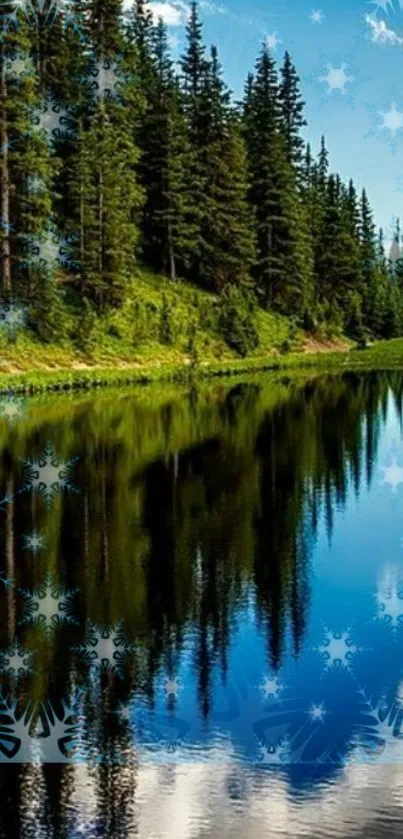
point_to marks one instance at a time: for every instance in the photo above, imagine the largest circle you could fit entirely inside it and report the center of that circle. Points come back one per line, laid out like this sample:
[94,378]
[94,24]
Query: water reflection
[193,578]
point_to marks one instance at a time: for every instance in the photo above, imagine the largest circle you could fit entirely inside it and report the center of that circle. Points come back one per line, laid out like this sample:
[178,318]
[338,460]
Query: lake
[201,594]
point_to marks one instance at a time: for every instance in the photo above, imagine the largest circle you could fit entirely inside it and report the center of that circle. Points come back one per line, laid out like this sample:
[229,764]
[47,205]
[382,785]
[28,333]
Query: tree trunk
[10,562]
[4,184]
[172,262]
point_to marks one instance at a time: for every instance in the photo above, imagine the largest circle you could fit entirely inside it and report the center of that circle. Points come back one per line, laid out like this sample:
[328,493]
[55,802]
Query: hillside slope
[160,323]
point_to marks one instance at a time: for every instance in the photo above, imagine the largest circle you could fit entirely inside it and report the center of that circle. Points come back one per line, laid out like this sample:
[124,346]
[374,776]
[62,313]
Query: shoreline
[380,356]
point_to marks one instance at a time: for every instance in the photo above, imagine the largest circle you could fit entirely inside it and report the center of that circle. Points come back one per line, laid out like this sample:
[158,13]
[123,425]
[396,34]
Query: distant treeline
[114,155]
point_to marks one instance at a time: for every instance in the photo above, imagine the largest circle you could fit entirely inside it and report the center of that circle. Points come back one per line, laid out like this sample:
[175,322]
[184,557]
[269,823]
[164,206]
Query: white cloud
[173,14]
[211,8]
[380,32]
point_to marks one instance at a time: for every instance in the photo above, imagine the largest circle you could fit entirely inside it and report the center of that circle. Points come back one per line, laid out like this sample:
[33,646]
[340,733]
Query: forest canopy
[114,155]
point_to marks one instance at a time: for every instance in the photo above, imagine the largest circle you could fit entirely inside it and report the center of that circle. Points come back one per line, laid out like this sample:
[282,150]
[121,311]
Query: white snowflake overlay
[105,648]
[34,542]
[12,317]
[50,251]
[41,12]
[35,184]
[379,738]
[48,606]
[271,687]
[337,650]
[48,475]
[37,734]
[19,66]
[55,121]
[12,408]
[336,78]
[393,476]
[16,662]
[103,79]
[292,748]
[389,600]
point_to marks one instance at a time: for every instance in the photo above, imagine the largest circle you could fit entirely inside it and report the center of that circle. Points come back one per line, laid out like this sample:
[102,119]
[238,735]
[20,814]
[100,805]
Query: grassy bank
[168,332]
[382,356]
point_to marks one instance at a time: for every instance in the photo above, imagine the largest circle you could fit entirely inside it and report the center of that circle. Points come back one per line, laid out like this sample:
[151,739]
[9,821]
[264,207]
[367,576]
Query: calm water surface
[201,597]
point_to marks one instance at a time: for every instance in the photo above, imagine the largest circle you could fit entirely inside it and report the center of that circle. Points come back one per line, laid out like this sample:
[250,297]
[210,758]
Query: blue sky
[349,56]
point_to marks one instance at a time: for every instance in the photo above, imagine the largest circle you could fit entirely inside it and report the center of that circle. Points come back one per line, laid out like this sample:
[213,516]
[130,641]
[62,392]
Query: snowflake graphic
[55,121]
[274,754]
[382,5]
[271,687]
[103,79]
[48,475]
[317,713]
[50,251]
[35,184]
[379,738]
[392,120]
[34,542]
[37,734]
[16,662]
[337,650]
[316,16]
[12,317]
[336,78]
[291,736]
[389,603]
[19,66]
[41,12]
[48,606]
[393,476]
[11,18]
[7,581]
[12,408]
[105,648]
[59,8]
[272,41]
[6,227]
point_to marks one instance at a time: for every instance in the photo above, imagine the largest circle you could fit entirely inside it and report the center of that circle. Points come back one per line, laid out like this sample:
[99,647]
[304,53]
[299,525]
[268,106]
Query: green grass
[130,335]
[121,354]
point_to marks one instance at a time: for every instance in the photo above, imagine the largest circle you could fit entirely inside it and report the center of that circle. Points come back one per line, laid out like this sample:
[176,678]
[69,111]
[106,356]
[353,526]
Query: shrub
[191,347]
[144,322]
[166,327]
[237,319]
[49,315]
[114,331]
[85,335]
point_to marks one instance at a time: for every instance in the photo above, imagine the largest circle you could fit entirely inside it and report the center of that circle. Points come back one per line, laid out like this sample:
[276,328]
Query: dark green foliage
[237,319]
[166,326]
[85,336]
[283,264]
[170,172]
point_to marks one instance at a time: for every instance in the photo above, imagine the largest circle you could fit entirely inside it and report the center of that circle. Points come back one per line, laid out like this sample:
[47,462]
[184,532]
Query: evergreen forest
[117,158]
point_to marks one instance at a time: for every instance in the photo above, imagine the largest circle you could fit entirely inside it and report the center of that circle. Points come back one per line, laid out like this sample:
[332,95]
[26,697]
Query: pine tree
[26,171]
[282,266]
[102,172]
[338,261]
[193,66]
[292,114]
[168,226]
[226,234]
[369,268]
